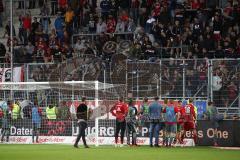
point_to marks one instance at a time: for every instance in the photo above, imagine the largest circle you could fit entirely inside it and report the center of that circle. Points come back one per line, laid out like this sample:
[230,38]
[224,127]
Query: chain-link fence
[216,80]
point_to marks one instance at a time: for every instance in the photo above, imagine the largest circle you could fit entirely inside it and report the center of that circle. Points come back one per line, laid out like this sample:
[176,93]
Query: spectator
[29,51]
[77,18]
[38,33]
[2,52]
[155,111]
[120,27]
[172,8]
[217,23]
[197,29]
[59,27]
[16,112]
[105,6]
[79,47]
[124,16]
[36,114]
[212,115]
[90,49]
[7,30]
[47,56]
[149,24]
[114,8]
[57,54]
[34,25]
[54,7]
[27,21]
[67,52]
[91,24]
[69,20]
[51,112]
[156,10]
[22,33]
[66,36]
[6,119]
[85,13]
[134,10]
[53,39]
[83,114]
[101,26]
[111,24]
[73,111]
[130,26]
[63,111]
[62,6]
[41,48]
[136,52]
[45,20]
[195,4]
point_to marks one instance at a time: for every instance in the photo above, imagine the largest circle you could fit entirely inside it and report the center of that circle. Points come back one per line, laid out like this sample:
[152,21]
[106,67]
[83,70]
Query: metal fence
[216,79]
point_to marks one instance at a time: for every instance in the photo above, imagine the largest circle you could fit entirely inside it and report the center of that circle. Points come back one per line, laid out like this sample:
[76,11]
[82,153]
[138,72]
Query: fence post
[137,81]
[211,80]
[24,7]
[239,96]
[126,73]
[184,79]
[11,46]
[26,70]
[97,117]
[160,79]
[104,80]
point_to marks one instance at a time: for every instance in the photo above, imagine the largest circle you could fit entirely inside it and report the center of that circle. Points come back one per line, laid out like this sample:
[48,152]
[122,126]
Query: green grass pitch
[67,152]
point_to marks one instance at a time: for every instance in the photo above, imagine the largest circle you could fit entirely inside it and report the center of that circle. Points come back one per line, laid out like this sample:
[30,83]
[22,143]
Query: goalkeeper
[131,124]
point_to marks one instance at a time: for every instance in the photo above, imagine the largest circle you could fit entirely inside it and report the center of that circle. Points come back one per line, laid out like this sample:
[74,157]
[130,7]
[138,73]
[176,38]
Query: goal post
[96,119]
[45,93]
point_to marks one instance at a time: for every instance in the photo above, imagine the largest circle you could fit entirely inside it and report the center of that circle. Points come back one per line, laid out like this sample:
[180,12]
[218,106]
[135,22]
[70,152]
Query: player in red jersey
[120,111]
[180,120]
[189,120]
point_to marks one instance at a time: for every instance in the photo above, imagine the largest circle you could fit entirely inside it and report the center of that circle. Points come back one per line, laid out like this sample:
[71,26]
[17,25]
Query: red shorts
[189,126]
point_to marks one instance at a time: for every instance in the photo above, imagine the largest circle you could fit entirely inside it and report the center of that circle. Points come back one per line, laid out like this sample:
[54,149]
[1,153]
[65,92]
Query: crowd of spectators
[227,75]
[162,29]
[153,29]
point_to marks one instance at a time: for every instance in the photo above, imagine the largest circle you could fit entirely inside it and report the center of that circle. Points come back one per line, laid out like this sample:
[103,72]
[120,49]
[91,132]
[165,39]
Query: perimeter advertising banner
[227,133]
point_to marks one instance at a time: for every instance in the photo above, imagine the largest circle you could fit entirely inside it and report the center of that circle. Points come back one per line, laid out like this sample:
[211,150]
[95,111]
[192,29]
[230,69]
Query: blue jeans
[154,131]
[45,24]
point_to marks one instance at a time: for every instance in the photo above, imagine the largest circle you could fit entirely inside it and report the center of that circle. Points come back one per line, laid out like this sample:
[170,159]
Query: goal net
[64,129]
[100,98]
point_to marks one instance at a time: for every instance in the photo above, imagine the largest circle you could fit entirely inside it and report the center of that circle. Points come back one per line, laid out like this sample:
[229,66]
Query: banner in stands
[227,133]
[18,74]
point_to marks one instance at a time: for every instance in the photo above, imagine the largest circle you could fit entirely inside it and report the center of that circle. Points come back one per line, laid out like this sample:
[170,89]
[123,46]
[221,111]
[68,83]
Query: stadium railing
[216,79]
